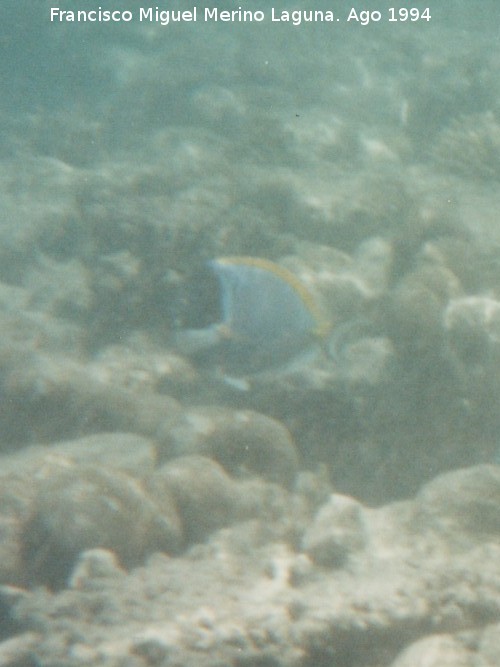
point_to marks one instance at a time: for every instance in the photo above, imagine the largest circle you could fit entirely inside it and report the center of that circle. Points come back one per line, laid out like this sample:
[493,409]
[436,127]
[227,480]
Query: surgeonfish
[269,319]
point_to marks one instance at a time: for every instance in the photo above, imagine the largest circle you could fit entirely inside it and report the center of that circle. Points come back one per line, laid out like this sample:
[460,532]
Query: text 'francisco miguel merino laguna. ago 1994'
[296,17]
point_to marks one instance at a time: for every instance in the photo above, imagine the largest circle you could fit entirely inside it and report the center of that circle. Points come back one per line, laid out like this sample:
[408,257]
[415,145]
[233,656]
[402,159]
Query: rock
[411,316]
[464,258]
[365,362]
[205,496]
[60,288]
[22,472]
[219,107]
[141,367]
[464,504]
[405,596]
[470,146]
[82,508]
[343,283]
[412,312]
[436,651]
[92,567]
[472,324]
[243,441]
[373,261]
[128,452]
[337,532]
[17,496]
[122,451]
[18,650]
[324,136]
[37,332]
[489,645]
[152,649]
[59,398]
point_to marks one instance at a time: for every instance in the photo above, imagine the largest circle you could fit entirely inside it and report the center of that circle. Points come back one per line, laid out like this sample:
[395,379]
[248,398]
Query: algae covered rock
[412,312]
[82,508]
[24,471]
[243,441]
[204,494]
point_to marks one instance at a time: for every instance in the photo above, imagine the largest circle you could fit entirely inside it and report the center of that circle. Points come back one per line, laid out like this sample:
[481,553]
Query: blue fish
[269,318]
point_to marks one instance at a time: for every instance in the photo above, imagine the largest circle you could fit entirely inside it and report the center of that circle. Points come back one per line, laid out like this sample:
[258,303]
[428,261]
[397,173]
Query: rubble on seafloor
[282,577]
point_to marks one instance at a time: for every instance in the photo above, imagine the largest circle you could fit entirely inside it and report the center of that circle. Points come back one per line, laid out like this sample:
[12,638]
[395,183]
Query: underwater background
[144,489]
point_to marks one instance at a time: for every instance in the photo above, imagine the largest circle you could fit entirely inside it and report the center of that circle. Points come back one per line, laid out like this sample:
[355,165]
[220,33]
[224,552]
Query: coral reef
[341,510]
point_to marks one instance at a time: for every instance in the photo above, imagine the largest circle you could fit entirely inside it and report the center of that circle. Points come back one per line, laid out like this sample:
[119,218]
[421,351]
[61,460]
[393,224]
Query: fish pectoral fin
[239,384]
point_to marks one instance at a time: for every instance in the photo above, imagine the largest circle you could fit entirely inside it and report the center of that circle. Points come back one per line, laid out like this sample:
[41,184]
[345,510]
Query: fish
[269,318]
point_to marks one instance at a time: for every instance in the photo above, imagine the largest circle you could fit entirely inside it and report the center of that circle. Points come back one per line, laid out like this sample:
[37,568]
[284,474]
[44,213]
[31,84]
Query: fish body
[268,319]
